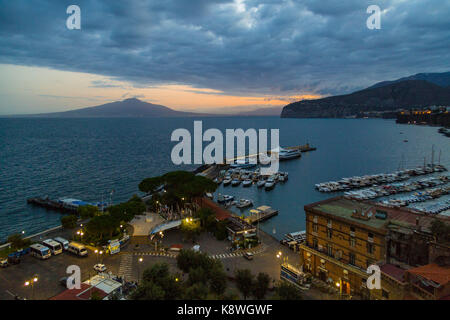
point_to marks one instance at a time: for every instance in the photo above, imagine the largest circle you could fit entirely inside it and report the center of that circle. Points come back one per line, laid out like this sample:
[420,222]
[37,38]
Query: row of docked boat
[236,177]
[394,188]
[253,160]
[357,182]
[435,208]
[229,200]
[425,195]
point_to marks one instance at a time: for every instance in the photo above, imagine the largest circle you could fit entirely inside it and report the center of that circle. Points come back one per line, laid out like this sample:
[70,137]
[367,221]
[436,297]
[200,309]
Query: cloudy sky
[211,54]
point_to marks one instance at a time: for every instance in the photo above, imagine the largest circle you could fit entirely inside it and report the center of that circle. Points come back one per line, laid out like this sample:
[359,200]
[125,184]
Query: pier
[66,205]
[50,205]
[260,214]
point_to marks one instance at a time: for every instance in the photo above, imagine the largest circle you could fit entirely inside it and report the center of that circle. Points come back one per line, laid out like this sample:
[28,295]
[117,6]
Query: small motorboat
[283,177]
[247,183]
[235,183]
[261,183]
[244,203]
[226,182]
[218,180]
[224,198]
[269,185]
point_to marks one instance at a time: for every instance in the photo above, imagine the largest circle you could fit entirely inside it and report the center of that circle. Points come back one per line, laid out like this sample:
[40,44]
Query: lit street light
[31,283]
[139,269]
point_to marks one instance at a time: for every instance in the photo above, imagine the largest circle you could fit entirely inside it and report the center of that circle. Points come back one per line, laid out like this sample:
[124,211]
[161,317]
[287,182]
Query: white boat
[235,182]
[261,183]
[289,154]
[269,185]
[243,164]
[247,183]
[224,198]
[226,182]
[283,176]
[244,203]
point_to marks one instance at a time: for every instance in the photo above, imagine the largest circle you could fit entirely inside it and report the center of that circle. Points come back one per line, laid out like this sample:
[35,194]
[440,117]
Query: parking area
[48,272]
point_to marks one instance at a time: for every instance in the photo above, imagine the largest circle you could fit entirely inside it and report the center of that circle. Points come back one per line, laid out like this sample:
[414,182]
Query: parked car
[4,262]
[100,267]
[13,259]
[248,256]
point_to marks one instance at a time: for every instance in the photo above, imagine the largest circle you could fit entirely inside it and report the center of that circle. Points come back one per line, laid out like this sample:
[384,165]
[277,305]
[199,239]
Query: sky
[211,55]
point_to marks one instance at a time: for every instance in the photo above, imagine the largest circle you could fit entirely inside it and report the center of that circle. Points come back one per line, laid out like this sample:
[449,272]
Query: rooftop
[344,208]
[84,293]
[433,272]
[393,271]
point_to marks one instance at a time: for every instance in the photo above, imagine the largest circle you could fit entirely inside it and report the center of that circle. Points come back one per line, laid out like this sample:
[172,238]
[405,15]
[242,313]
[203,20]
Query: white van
[77,249]
[55,247]
[63,242]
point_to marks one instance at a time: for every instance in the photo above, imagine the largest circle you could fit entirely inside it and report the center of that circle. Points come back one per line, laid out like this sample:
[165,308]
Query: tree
[221,230]
[287,291]
[17,242]
[148,291]
[244,282]
[87,211]
[198,291]
[159,284]
[218,281]
[441,230]
[261,285]
[197,275]
[69,222]
[189,259]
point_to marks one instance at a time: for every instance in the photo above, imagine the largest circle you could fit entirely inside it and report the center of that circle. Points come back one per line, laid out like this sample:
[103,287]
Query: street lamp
[31,283]
[339,285]
[139,269]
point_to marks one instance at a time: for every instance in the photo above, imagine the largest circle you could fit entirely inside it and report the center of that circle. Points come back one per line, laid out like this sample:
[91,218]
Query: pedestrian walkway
[156,254]
[257,250]
[173,255]
[126,267]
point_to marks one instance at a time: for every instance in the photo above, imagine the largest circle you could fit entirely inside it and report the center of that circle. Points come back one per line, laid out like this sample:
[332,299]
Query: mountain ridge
[403,94]
[128,108]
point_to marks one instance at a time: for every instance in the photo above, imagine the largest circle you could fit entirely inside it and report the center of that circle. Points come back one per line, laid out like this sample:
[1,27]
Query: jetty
[66,205]
[303,148]
[260,214]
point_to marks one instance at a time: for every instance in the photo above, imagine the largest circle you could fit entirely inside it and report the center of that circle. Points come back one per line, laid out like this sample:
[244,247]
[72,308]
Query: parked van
[40,251]
[63,242]
[77,249]
[55,247]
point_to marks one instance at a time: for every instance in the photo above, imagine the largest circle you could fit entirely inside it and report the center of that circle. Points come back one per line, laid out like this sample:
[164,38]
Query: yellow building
[344,237]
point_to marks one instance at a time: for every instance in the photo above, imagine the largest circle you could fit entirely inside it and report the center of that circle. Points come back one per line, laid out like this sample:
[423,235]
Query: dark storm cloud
[267,46]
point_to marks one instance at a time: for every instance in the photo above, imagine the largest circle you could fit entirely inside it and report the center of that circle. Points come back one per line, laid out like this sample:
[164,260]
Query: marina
[395,188]
[357,182]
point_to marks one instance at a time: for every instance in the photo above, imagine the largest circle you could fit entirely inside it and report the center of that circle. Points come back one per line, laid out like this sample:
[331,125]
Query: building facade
[344,237]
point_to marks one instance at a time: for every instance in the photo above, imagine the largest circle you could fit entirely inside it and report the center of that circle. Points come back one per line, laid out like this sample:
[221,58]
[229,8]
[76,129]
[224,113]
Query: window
[352,242]
[352,258]
[329,223]
[370,248]
[315,219]
[370,238]
[352,231]
[329,233]
[315,244]
[330,250]
[315,227]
